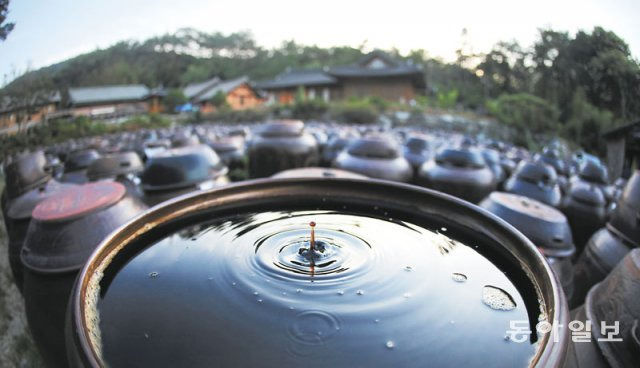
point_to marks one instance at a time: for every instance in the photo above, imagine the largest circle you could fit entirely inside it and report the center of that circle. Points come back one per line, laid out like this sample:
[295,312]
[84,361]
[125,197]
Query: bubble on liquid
[376,320]
[390,344]
[259,300]
[360,292]
[298,291]
[459,277]
[497,298]
[233,283]
[153,274]
[408,268]
[256,293]
[341,292]
[314,327]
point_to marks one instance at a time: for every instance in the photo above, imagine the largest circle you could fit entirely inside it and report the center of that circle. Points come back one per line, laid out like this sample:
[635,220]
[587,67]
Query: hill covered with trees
[571,85]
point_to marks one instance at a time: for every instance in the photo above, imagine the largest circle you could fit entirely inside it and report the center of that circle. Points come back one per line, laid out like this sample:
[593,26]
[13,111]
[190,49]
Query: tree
[5,28]
[219,100]
[587,123]
[525,111]
[174,98]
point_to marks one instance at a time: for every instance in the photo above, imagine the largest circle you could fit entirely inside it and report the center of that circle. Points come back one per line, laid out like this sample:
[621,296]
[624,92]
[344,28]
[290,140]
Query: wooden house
[109,101]
[374,75]
[238,94]
[17,114]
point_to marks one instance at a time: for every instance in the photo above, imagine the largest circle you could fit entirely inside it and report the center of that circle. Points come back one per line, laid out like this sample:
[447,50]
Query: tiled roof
[224,87]
[195,89]
[300,77]
[8,104]
[89,95]
[372,65]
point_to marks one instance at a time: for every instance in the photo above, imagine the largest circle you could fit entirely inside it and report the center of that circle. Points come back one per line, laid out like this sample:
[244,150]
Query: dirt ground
[16,346]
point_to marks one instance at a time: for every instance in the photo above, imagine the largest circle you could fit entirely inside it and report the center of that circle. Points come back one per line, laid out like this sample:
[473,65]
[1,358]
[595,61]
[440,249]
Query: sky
[50,31]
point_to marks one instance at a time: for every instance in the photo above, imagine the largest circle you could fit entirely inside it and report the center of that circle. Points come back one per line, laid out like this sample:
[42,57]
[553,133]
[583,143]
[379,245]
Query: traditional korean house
[238,94]
[21,113]
[109,101]
[376,74]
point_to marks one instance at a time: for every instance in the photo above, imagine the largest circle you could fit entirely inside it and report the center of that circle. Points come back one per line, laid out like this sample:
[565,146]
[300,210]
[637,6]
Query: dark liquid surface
[247,291]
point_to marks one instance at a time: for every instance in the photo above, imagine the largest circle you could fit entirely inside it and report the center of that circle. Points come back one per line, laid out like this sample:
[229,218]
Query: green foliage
[448,99]
[82,126]
[587,123]
[309,109]
[5,28]
[174,98]
[526,112]
[219,100]
[356,111]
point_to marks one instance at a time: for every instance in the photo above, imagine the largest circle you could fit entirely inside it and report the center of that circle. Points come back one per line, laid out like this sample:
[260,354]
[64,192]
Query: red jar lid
[79,201]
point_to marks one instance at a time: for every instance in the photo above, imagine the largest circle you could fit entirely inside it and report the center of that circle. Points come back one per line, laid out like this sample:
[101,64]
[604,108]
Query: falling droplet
[497,298]
[390,344]
[284,293]
[146,336]
[443,229]
[459,277]
[153,274]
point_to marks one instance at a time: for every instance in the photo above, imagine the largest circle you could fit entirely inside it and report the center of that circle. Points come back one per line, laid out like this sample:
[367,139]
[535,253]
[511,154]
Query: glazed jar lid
[66,227]
[184,139]
[21,208]
[374,147]
[593,172]
[417,143]
[536,172]
[282,129]
[110,166]
[26,172]
[587,193]
[463,158]
[181,167]
[224,145]
[78,201]
[80,160]
[234,268]
[544,225]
